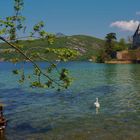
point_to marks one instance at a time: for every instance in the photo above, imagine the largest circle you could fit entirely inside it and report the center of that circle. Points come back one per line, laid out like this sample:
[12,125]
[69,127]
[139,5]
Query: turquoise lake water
[38,114]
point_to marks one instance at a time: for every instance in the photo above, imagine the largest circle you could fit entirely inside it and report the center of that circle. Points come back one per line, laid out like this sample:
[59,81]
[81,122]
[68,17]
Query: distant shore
[118,62]
[1,60]
[123,62]
[106,62]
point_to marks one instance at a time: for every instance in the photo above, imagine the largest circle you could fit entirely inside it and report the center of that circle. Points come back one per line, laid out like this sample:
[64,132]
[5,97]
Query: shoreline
[119,62]
[106,62]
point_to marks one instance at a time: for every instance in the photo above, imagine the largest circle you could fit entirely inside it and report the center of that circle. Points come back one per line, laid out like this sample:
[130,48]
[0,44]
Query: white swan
[97,104]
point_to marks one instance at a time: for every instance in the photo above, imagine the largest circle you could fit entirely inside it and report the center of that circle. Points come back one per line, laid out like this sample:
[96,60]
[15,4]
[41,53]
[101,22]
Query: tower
[136,38]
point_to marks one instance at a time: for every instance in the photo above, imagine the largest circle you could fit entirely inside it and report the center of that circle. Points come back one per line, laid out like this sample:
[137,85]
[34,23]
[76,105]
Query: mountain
[60,35]
[87,46]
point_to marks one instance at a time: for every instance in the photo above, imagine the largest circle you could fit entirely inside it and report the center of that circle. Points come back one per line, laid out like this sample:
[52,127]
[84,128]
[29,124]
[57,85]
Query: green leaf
[3,31]
[15,72]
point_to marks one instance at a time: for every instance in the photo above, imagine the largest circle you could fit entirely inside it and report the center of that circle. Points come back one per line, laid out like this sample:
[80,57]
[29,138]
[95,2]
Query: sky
[73,17]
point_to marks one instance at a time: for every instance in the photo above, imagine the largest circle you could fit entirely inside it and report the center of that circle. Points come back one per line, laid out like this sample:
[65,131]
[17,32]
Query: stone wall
[131,55]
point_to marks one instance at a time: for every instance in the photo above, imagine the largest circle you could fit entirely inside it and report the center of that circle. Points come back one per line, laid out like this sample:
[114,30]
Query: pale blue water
[70,115]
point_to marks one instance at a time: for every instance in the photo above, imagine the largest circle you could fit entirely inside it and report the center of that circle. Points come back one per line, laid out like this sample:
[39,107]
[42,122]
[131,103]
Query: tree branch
[25,56]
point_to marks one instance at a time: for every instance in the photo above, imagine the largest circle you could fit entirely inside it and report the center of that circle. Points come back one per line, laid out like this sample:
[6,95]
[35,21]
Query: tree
[10,30]
[130,42]
[101,56]
[122,42]
[109,45]
[130,39]
[121,45]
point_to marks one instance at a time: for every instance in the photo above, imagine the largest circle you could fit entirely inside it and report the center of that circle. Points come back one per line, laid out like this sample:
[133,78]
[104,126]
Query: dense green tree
[101,56]
[109,45]
[122,42]
[10,30]
[121,45]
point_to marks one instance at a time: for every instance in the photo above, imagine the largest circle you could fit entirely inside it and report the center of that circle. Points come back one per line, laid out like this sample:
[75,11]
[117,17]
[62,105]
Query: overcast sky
[90,17]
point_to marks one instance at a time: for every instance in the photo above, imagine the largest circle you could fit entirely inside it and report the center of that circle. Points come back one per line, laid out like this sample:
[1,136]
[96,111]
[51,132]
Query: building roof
[137,31]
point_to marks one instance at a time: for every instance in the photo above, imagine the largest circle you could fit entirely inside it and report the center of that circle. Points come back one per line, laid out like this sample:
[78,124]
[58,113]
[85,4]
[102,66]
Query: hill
[87,46]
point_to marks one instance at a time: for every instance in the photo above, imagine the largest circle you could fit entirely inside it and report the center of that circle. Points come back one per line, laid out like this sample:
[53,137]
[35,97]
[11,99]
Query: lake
[42,114]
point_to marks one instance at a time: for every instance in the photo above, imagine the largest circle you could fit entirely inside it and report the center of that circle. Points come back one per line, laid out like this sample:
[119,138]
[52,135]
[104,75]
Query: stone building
[136,38]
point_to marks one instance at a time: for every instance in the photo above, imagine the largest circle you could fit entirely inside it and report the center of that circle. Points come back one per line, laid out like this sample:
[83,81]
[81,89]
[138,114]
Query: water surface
[70,115]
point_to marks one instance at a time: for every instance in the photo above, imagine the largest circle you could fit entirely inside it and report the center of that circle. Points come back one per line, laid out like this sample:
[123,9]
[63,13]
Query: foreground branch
[27,58]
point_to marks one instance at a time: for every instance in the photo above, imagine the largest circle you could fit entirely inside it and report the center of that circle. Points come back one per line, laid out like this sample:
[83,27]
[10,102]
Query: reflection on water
[2,135]
[71,114]
[97,110]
